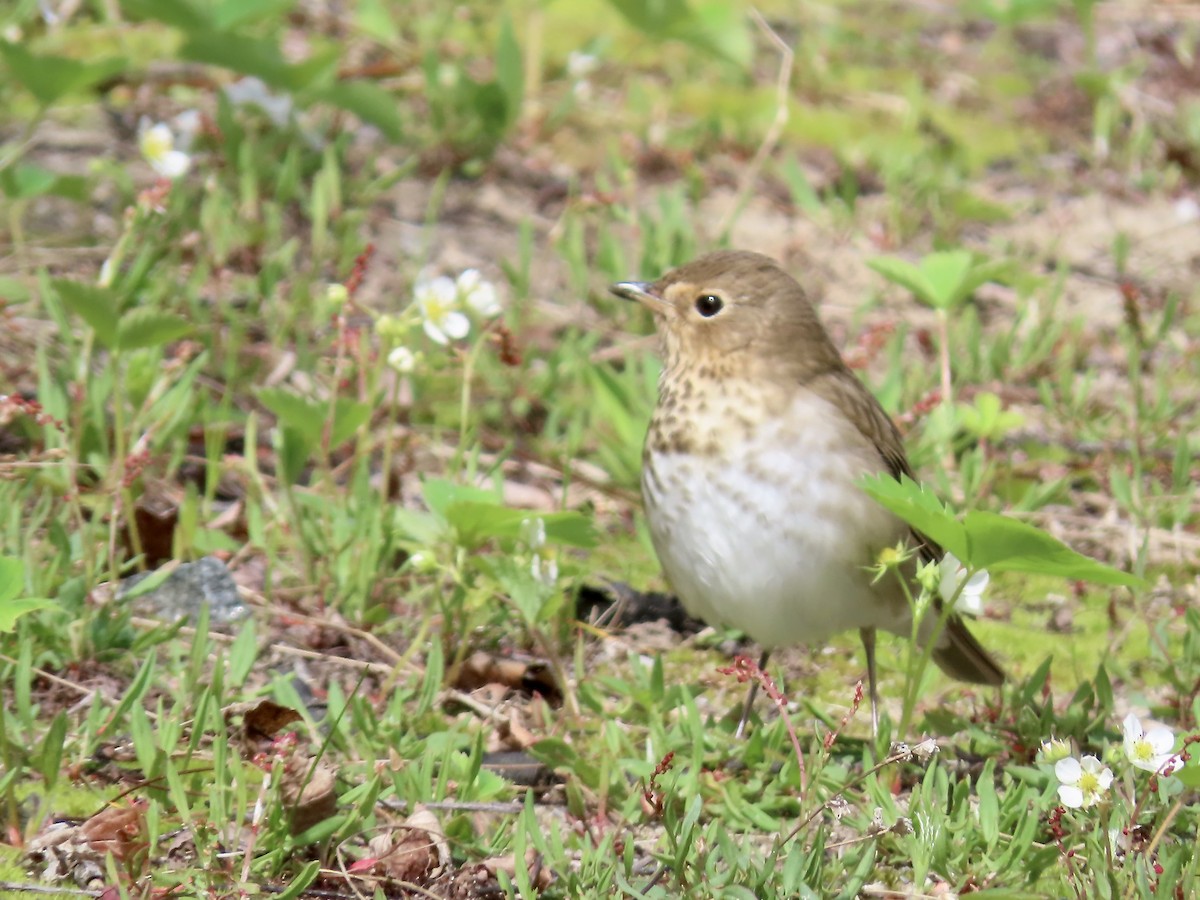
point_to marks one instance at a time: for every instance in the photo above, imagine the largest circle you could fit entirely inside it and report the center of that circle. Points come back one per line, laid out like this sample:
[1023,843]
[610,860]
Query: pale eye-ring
[708,305]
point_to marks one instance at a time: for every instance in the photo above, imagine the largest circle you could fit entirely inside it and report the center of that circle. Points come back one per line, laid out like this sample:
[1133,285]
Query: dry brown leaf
[414,852]
[261,720]
[513,734]
[481,670]
[539,875]
[77,851]
[309,798]
[117,830]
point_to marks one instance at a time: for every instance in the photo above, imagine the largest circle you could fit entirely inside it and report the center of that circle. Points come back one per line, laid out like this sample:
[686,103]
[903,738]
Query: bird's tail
[961,656]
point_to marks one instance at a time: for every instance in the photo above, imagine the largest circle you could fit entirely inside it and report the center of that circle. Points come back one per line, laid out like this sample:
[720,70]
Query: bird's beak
[639,291]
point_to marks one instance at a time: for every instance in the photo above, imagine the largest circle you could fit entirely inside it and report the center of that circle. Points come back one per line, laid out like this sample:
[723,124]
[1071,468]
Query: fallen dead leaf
[414,852]
[309,798]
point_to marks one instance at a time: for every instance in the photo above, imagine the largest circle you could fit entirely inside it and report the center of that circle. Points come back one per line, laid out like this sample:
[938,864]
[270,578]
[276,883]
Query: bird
[751,472]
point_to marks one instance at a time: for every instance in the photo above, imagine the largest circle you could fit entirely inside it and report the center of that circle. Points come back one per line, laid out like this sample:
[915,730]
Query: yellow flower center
[156,144]
[435,309]
[1089,783]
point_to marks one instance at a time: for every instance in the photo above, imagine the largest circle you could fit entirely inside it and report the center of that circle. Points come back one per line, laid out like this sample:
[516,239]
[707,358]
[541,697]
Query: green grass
[214,396]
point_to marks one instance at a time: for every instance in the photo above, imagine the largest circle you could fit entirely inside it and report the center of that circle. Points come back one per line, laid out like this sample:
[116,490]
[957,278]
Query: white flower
[580,64]
[402,360]
[157,143]
[251,91]
[546,575]
[533,532]
[1082,782]
[185,127]
[478,294]
[436,299]
[1150,750]
[107,271]
[954,582]
[579,67]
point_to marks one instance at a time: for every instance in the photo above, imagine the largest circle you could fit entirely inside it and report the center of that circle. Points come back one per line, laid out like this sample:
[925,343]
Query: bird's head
[734,312]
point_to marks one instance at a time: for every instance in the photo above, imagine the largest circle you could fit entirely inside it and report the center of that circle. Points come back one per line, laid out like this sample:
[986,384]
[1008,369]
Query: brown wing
[843,388]
[957,652]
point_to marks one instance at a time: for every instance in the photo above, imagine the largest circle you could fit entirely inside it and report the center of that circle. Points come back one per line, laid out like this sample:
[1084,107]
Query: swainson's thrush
[751,467]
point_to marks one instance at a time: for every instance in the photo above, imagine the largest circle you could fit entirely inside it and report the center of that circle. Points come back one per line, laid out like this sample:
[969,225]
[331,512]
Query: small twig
[514,808]
[897,756]
[52,678]
[774,132]
[45,889]
[1162,829]
[655,878]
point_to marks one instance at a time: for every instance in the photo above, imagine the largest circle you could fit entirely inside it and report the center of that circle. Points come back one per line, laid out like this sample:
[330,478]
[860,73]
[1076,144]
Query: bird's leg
[868,639]
[762,667]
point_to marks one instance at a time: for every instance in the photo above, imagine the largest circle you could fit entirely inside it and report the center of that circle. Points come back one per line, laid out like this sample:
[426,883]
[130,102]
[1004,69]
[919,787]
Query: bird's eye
[708,305]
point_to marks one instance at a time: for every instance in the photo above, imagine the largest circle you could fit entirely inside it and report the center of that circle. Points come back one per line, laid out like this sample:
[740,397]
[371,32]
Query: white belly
[772,536]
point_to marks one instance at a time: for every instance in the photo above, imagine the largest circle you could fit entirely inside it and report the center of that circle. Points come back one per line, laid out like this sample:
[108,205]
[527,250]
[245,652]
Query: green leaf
[230,13]
[989,804]
[987,418]
[988,540]
[250,56]
[490,103]
[306,417]
[439,494]
[555,754]
[50,759]
[374,19]
[476,523]
[946,275]
[294,448]
[369,102]
[348,416]
[23,181]
[49,78]
[533,599]
[143,327]
[1001,544]
[571,528]
[510,73]
[654,19]
[12,610]
[720,26]
[305,877]
[259,57]
[12,585]
[902,272]
[133,693]
[983,272]
[920,509]
[177,13]
[717,25]
[422,527]
[1190,773]
[12,578]
[140,585]
[95,305]
[14,290]
[942,280]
